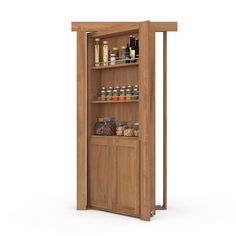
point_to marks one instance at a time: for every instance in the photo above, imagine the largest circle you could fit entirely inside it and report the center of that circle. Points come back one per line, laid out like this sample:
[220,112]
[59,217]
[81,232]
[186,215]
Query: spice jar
[128,94]
[109,126]
[99,126]
[116,52]
[122,94]
[135,94]
[96,59]
[122,52]
[103,95]
[109,94]
[120,127]
[105,53]
[129,132]
[136,129]
[113,59]
[115,95]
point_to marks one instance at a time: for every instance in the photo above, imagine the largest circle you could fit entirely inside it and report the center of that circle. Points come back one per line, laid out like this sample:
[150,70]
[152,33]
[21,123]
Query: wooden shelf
[118,101]
[113,136]
[115,66]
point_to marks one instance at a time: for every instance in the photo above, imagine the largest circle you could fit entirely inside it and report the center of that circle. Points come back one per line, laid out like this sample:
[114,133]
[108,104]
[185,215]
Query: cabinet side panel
[81,122]
[147,119]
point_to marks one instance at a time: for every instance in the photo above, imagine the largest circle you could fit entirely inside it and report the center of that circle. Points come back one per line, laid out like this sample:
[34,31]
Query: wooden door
[99,173]
[126,196]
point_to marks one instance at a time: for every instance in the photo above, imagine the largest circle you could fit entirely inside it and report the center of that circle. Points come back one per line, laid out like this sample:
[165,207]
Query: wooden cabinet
[116,173]
[113,174]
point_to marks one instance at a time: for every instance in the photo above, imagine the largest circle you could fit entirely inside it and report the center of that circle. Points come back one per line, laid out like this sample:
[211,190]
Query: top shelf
[115,66]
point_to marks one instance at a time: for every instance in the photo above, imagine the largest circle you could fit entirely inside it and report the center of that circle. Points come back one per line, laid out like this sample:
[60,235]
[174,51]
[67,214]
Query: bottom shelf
[114,137]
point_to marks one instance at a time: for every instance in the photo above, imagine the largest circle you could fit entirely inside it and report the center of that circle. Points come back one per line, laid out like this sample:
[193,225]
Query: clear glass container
[96,59]
[99,126]
[105,53]
[109,126]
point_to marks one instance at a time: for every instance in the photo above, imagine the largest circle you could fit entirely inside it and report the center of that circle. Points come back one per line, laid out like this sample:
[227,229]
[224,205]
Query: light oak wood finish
[120,176]
[81,122]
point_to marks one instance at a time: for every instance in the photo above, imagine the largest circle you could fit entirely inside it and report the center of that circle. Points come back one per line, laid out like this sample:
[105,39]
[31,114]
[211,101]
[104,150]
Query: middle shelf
[117,101]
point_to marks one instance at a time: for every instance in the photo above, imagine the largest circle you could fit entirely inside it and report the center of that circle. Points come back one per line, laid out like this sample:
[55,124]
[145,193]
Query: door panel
[127,176]
[99,173]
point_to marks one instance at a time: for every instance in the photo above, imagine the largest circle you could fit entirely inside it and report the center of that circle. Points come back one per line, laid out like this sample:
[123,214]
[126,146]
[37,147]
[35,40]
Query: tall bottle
[105,53]
[127,54]
[97,40]
[132,50]
[136,50]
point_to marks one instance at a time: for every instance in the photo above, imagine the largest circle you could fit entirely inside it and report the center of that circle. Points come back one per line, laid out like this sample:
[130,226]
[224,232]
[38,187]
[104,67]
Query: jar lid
[97,39]
[128,90]
[123,47]
[113,55]
[103,88]
[103,91]
[136,124]
[100,119]
[109,90]
[115,49]
[114,90]
[111,87]
[105,42]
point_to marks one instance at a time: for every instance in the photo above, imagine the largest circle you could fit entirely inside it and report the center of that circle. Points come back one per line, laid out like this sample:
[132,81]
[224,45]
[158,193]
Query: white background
[38,118]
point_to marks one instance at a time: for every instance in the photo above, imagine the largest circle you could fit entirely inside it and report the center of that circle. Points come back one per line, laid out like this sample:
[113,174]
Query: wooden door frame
[147,104]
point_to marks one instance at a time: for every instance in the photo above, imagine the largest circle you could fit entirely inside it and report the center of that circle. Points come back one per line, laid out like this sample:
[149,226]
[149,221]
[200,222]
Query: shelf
[118,101]
[114,136]
[115,66]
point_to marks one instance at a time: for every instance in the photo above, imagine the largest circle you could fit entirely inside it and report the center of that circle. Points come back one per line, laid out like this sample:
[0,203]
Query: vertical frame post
[81,121]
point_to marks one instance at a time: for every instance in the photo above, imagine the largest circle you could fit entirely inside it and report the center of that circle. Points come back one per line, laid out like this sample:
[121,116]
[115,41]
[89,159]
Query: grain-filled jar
[99,126]
[129,132]
[109,94]
[120,127]
[105,53]
[109,126]
[136,129]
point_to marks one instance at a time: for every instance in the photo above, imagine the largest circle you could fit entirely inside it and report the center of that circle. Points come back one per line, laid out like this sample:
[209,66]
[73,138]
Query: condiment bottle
[115,95]
[128,94]
[105,53]
[96,59]
[127,54]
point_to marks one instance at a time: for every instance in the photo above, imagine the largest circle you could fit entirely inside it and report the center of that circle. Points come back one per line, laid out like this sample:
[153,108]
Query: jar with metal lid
[109,94]
[130,87]
[128,94]
[115,95]
[123,87]
[120,127]
[135,94]
[113,59]
[109,126]
[99,126]
[103,95]
[122,94]
[129,132]
[117,88]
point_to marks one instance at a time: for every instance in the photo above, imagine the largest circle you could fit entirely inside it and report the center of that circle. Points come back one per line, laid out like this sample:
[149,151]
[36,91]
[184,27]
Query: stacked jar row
[119,93]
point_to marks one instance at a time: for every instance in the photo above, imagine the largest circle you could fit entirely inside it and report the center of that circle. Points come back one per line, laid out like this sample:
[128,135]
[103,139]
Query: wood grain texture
[81,122]
[146,117]
[95,26]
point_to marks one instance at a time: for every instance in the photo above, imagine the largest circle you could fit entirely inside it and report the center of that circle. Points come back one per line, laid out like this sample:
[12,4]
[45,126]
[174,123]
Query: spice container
[135,94]
[97,40]
[103,95]
[115,95]
[122,52]
[109,94]
[129,132]
[109,126]
[105,53]
[122,94]
[128,94]
[120,127]
[136,129]
[99,126]
[113,59]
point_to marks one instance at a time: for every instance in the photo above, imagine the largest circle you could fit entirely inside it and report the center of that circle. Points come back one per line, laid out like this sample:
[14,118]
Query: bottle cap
[97,39]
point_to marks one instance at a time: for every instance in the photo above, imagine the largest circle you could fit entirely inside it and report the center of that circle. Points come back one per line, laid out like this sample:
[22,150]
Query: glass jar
[122,94]
[120,127]
[128,94]
[135,94]
[122,52]
[99,126]
[105,53]
[113,59]
[96,59]
[115,95]
[103,95]
[109,94]
[129,132]
[136,129]
[109,126]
